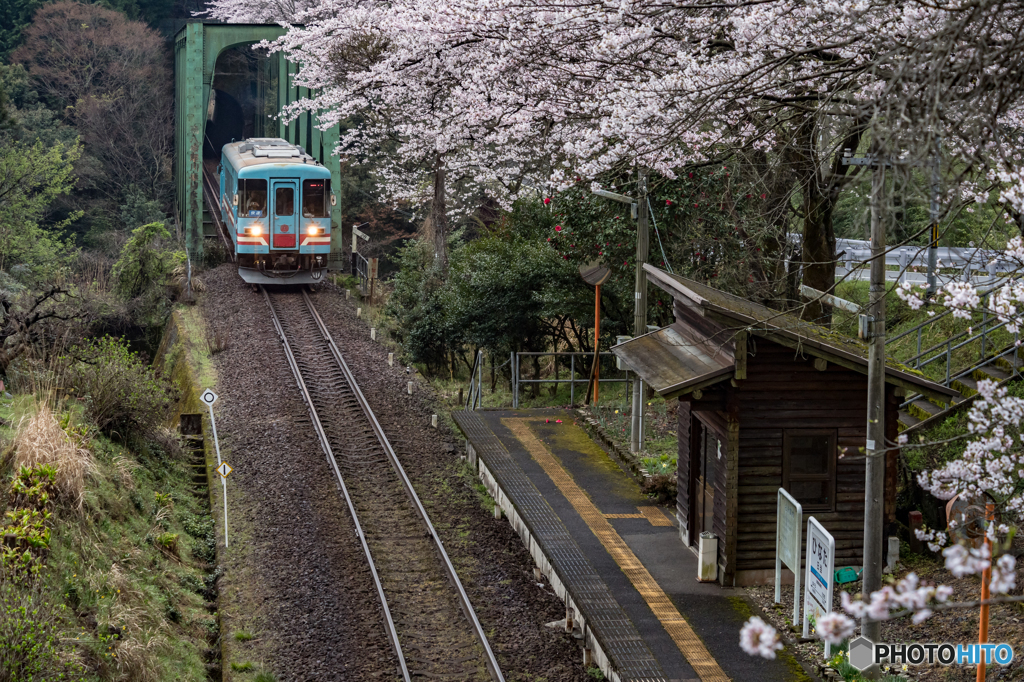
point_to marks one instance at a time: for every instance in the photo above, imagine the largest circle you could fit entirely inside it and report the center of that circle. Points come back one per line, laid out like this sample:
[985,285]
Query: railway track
[428,617]
[211,195]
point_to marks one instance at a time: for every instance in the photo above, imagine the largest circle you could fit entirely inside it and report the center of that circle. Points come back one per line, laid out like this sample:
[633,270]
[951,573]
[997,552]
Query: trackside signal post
[208,398]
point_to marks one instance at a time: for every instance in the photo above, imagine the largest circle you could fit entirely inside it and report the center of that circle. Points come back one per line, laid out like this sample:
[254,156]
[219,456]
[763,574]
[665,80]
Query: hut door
[707,452]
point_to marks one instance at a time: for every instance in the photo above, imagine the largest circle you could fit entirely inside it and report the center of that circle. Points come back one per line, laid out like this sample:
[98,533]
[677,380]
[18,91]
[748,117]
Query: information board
[788,519]
[820,578]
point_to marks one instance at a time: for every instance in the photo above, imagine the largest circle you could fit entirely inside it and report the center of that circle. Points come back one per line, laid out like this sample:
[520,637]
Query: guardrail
[854,252]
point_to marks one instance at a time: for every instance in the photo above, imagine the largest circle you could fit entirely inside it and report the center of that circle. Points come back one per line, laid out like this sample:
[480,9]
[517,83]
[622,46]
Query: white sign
[209,398]
[358,233]
[789,517]
[821,568]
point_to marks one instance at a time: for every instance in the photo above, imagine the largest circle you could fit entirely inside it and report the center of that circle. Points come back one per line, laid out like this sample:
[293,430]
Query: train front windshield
[315,203]
[252,198]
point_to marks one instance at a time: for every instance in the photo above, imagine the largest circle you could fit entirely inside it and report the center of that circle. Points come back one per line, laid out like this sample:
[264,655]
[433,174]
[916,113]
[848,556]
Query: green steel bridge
[225,90]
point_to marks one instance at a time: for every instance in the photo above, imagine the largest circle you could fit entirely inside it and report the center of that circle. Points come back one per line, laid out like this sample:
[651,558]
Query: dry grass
[136,656]
[125,467]
[41,440]
[180,277]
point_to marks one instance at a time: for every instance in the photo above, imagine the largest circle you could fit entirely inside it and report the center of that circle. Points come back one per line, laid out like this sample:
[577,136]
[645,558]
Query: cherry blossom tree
[458,101]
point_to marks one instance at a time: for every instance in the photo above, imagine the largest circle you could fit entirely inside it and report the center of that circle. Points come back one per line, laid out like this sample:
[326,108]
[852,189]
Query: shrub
[29,638]
[121,393]
[41,440]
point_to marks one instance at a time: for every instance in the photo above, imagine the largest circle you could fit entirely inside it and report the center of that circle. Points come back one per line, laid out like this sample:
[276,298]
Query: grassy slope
[900,318]
[130,567]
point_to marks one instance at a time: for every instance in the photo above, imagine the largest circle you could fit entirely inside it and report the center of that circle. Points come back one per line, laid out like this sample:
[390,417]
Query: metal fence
[475,399]
[943,352]
[586,359]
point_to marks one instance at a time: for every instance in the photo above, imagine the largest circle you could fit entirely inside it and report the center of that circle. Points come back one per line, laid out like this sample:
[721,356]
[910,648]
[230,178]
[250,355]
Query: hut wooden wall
[715,421]
[683,415]
[783,390]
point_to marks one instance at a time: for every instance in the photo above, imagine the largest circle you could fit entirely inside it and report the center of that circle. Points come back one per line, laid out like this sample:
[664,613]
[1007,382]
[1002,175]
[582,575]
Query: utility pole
[872,329]
[640,213]
[636,438]
[933,247]
[874,473]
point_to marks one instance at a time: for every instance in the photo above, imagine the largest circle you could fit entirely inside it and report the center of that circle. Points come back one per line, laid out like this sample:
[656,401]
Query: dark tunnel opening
[241,93]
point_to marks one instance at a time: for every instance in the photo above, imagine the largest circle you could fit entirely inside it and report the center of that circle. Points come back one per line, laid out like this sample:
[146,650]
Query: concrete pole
[874,474]
[640,310]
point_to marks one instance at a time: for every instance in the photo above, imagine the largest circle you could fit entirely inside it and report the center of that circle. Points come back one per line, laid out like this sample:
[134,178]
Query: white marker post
[789,515]
[821,569]
[209,398]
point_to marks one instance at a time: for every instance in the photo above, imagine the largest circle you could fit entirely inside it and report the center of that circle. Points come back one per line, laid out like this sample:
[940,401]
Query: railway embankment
[108,562]
[296,595]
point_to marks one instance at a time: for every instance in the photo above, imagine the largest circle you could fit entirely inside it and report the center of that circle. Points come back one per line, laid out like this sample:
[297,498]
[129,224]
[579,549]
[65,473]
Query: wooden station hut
[766,400]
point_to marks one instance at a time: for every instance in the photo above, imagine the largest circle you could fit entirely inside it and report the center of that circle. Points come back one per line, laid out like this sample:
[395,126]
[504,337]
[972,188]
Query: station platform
[610,553]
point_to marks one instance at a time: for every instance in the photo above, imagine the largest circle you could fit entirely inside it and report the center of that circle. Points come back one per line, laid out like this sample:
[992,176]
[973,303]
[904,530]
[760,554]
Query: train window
[284,201]
[315,195]
[252,198]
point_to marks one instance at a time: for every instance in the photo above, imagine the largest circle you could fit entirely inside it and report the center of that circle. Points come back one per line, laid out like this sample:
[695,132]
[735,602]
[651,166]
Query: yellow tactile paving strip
[652,514]
[656,516]
[664,610]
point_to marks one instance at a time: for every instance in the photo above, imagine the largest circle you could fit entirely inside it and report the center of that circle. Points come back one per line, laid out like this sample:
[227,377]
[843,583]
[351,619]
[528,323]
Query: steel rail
[467,607]
[212,197]
[389,623]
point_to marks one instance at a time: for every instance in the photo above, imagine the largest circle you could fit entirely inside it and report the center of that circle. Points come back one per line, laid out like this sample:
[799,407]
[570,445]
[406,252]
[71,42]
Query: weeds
[40,440]
[29,635]
[121,393]
[241,667]
[217,341]
[243,636]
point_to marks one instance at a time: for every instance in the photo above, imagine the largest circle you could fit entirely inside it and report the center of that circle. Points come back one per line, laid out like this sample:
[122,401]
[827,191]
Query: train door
[283,226]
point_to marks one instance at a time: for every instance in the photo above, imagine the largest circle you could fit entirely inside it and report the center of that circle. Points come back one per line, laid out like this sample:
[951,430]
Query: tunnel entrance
[242,99]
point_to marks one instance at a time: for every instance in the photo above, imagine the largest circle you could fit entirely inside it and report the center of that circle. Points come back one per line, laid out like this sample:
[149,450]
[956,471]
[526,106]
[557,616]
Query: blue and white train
[275,200]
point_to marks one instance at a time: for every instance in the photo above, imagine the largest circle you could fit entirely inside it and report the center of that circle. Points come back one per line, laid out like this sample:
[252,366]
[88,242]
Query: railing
[572,380]
[950,345]
[361,269]
[475,398]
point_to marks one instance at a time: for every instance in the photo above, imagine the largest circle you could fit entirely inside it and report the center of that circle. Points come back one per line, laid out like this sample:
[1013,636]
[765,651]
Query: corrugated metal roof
[671,363]
[813,338]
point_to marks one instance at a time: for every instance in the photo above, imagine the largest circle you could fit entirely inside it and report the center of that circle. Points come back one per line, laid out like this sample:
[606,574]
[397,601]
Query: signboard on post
[821,568]
[789,518]
[208,398]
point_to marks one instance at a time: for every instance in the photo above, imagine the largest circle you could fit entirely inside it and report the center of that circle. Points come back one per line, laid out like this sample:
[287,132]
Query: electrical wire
[664,258]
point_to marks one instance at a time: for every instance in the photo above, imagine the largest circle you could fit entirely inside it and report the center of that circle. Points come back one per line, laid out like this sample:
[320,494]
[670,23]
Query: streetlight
[639,295]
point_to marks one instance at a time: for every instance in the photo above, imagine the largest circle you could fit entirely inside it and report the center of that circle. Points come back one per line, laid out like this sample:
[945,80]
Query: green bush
[121,393]
[29,638]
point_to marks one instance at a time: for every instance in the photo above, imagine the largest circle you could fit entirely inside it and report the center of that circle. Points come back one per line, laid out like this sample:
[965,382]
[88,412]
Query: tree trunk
[439,216]
[819,248]
[822,183]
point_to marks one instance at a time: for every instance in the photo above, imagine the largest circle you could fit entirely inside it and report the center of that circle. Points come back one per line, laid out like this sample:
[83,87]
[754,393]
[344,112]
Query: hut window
[809,467]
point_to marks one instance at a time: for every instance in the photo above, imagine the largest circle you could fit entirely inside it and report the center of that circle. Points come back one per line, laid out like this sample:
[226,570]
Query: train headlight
[313,229]
[254,231]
